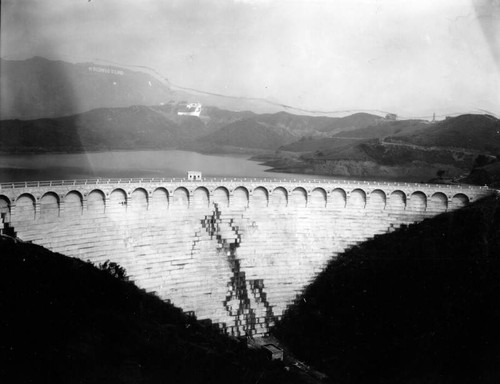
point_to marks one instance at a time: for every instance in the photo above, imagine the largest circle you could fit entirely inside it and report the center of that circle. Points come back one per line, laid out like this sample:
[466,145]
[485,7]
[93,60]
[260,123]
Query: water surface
[129,164]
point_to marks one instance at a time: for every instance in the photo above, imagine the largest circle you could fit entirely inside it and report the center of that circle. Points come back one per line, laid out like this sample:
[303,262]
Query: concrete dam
[235,251]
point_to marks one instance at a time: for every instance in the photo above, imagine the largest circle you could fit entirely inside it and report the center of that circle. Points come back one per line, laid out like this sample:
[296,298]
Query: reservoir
[129,164]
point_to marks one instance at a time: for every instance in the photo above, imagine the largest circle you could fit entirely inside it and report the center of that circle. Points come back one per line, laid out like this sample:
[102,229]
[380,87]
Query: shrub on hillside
[114,270]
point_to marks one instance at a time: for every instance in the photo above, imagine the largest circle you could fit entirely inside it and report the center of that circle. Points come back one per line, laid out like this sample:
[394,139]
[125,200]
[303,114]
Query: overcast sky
[406,56]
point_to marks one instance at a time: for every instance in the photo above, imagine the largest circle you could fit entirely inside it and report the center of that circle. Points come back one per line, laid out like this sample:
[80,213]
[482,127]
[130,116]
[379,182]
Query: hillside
[419,305]
[160,126]
[38,87]
[250,133]
[266,131]
[410,150]
[100,129]
[352,122]
[65,321]
[353,137]
[478,132]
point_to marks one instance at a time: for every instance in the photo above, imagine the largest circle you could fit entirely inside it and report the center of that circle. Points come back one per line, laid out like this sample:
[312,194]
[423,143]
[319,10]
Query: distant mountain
[135,127]
[268,131]
[157,126]
[479,132]
[250,133]
[410,150]
[385,128]
[351,122]
[330,146]
[39,87]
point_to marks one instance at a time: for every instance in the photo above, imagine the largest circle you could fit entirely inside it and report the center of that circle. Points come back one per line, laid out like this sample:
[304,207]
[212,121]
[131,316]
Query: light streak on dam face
[235,251]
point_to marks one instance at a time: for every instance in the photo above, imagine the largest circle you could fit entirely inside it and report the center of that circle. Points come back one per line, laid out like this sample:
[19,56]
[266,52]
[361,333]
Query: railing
[54,183]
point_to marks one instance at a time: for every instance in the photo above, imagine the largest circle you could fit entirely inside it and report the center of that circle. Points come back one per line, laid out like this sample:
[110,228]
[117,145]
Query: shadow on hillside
[420,305]
[64,321]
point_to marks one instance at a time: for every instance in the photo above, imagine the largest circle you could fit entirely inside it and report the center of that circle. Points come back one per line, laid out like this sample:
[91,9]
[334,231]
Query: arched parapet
[357,199]
[139,199]
[240,197]
[117,202]
[437,202]
[396,201]
[220,196]
[25,207]
[49,205]
[159,200]
[318,198]
[279,197]
[459,200]
[417,202]
[377,200]
[72,204]
[96,202]
[260,197]
[200,198]
[338,198]
[5,206]
[180,198]
[298,198]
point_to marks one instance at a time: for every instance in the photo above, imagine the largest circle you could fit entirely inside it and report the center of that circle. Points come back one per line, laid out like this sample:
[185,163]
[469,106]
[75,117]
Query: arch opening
[25,207]
[299,198]
[180,199]
[240,198]
[338,198]
[221,197]
[438,203]
[279,197]
[418,202]
[49,206]
[377,200]
[139,200]
[73,204]
[96,202]
[260,197]
[318,198]
[200,198]
[160,200]
[397,201]
[117,202]
[4,209]
[357,199]
[459,200]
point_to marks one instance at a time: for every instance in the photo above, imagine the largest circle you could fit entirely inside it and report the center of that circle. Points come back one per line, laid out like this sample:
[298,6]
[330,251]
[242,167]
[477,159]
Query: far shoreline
[272,163]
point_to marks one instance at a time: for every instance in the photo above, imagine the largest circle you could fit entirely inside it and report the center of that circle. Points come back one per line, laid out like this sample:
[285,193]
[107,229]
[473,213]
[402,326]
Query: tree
[114,269]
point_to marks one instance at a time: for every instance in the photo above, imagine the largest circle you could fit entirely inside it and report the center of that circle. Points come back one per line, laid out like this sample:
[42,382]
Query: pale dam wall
[237,252]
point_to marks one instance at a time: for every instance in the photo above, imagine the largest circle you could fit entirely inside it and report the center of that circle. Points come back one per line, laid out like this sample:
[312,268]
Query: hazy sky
[409,57]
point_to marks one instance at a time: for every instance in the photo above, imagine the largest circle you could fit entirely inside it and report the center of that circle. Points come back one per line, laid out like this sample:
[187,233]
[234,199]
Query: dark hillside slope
[420,305]
[250,133]
[479,132]
[134,127]
[64,321]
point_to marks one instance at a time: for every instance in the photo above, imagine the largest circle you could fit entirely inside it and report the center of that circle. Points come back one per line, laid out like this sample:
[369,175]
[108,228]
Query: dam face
[235,251]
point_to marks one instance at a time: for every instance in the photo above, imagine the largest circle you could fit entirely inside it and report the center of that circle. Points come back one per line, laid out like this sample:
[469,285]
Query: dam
[235,251]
